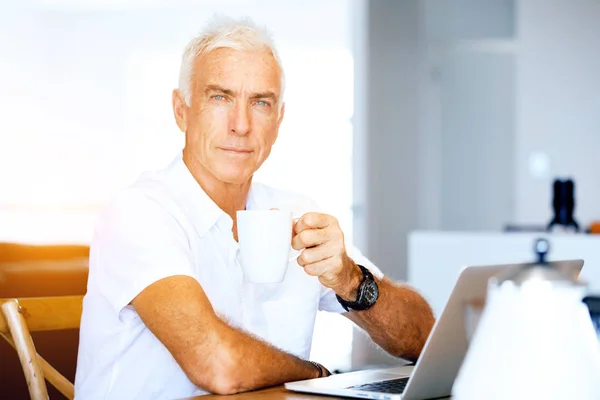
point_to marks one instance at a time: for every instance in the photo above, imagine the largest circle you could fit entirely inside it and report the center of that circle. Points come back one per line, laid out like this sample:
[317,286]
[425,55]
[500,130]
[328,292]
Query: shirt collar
[202,210]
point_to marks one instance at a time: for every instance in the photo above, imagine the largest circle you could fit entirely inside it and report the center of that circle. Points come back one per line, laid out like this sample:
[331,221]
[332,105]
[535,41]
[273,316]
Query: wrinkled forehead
[249,70]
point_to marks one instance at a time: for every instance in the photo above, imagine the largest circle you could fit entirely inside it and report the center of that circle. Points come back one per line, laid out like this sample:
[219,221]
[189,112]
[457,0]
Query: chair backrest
[21,316]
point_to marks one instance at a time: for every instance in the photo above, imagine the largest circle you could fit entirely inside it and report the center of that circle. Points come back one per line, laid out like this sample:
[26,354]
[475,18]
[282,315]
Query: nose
[240,120]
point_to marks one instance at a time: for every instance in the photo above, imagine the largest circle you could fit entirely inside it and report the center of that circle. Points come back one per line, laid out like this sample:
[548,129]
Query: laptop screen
[593,303]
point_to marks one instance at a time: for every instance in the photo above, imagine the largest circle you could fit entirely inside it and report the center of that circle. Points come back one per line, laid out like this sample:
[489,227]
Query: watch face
[371,292]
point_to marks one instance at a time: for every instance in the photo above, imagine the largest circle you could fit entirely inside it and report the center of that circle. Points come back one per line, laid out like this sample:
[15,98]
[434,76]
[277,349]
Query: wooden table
[274,393]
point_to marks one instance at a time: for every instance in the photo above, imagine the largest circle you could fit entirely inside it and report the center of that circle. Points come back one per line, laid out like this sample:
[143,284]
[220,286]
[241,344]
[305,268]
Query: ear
[179,110]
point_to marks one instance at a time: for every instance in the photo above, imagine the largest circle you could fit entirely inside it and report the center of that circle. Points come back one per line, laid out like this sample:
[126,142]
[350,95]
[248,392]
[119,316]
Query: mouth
[236,150]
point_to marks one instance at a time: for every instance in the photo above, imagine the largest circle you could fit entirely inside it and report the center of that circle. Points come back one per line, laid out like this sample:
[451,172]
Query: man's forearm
[242,362]
[400,320]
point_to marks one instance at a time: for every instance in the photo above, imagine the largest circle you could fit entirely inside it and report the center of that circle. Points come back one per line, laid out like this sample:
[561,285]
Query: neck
[230,197]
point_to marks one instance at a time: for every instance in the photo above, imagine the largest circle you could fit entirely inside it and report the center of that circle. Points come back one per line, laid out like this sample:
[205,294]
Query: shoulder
[145,204]
[266,196]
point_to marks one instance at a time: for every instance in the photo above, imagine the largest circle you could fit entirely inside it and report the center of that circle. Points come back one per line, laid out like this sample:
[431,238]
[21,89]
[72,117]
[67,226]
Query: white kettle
[534,340]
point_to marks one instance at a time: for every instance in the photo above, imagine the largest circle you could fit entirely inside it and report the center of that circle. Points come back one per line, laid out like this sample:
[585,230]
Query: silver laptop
[435,371]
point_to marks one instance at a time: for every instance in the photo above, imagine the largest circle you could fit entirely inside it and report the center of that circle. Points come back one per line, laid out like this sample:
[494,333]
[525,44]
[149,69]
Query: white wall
[392,131]
[558,96]
[466,115]
[506,107]
[386,140]
[477,140]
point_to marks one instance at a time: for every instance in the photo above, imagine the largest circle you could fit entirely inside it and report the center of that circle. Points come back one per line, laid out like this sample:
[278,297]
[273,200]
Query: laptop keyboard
[393,386]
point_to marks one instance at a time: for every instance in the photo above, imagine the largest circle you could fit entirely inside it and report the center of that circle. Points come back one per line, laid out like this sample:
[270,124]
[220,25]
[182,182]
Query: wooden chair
[19,317]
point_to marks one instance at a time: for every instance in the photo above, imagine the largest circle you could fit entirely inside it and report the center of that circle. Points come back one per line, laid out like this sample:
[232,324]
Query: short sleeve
[328,301]
[137,242]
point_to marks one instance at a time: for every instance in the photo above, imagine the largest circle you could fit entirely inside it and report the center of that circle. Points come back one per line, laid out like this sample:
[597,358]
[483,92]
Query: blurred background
[430,128]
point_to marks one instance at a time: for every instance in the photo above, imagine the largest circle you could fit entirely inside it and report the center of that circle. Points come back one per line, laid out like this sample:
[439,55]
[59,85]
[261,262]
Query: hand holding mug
[321,240]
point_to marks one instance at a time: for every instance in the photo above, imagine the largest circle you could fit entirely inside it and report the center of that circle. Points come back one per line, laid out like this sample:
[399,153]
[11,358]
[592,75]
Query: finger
[315,254]
[313,220]
[309,238]
[320,267]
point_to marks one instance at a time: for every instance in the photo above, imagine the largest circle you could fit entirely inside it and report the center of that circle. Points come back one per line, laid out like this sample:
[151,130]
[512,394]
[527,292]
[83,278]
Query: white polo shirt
[166,225]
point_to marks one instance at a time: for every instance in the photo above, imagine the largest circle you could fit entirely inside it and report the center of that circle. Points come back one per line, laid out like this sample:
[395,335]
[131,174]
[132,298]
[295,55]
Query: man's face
[233,119]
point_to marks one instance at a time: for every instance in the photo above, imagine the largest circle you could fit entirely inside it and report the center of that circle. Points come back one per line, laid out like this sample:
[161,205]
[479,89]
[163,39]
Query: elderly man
[167,313]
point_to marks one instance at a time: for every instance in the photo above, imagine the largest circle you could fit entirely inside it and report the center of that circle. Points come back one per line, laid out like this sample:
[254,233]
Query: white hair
[225,32]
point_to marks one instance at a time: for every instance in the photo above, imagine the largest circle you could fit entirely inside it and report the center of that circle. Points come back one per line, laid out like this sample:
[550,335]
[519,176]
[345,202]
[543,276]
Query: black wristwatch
[367,293]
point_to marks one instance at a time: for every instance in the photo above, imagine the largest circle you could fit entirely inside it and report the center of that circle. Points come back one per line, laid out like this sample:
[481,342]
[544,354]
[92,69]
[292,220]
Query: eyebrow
[217,88]
[261,95]
[265,95]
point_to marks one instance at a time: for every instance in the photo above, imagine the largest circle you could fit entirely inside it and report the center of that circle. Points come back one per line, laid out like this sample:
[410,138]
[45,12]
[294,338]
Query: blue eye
[262,103]
[218,97]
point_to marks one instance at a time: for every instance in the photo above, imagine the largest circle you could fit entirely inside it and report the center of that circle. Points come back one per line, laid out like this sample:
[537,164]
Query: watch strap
[358,305]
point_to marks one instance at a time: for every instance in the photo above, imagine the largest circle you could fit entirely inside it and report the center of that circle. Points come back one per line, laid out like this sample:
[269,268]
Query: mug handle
[294,254]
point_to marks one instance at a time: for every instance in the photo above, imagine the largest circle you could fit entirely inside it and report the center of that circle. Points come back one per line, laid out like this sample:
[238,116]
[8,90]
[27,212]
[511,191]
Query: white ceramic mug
[265,238]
